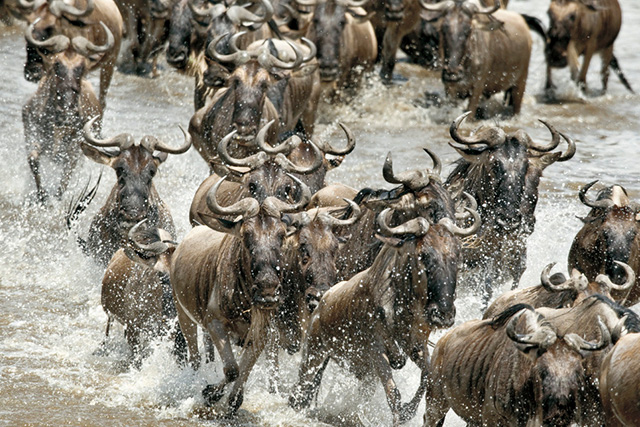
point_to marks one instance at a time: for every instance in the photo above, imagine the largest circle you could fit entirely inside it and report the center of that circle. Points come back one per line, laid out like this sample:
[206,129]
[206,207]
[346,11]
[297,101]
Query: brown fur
[590,32]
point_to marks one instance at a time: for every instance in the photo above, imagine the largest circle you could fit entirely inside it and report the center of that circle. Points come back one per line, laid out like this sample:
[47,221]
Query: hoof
[212,394]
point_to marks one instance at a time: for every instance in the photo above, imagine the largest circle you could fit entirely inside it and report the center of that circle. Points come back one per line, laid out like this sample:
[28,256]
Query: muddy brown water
[51,321]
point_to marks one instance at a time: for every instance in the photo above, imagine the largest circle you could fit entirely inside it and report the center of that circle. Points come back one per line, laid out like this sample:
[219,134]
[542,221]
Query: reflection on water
[51,321]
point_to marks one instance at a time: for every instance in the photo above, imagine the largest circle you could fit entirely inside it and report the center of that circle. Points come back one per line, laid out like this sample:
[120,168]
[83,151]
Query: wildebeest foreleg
[190,331]
[315,357]
[586,60]
[390,44]
[383,369]
[34,164]
[214,392]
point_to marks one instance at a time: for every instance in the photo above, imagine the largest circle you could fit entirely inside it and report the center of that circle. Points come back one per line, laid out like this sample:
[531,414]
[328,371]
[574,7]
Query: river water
[51,320]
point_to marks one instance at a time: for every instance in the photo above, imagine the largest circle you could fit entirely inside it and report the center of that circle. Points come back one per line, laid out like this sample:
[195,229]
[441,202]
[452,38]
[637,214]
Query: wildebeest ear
[97,155]
[305,71]
[391,241]
[160,156]
[546,159]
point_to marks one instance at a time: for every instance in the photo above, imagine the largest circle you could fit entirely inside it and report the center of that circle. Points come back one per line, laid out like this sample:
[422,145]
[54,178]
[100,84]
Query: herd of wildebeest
[277,259]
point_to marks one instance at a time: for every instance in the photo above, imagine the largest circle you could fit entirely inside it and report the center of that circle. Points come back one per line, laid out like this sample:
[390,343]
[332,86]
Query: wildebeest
[133,197]
[136,290]
[576,320]
[583,28]
[84,18]
[557,291]
[513,369]
[393,19]
[611,232]
[619,378]
[375,319]
[420,193]
[345,41]
[193,26]
[64,101]
[146,24]
[270,81]
[485,50]
[502,172]
[230,282]
[264,173]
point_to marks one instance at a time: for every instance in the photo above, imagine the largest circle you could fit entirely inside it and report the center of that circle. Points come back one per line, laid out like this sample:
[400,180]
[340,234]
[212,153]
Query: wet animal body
[484,50]
[610,236]
[64,101]
[583,28]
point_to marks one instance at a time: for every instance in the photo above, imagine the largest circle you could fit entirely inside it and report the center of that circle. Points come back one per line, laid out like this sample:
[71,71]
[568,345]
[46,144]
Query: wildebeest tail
[615,66]
[502,318]
[535,25]
[79,204]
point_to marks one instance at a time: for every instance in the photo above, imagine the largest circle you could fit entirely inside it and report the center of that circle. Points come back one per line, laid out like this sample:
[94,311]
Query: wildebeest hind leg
[606,55]
[190,332]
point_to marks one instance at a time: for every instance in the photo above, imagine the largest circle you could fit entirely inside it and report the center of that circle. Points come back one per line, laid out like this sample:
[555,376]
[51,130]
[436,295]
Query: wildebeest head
[557,373]
[502,171]
[49,18]
[429,254]
[135,165]
[315,244]
[564,17]
[269,169]
[66,61]
[610,233]
[455,31]
[261,234]
[325,30]
[259,68]
[212,19]
[181,35]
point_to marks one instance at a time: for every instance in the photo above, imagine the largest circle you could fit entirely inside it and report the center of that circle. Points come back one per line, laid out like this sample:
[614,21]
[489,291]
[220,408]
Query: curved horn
[156,144]
[253,161]
[578,343]
[26,4]
[417,226]
[472,204]
[620,329]
[202,15]
[312,49]
[604,280]
[123,140]
[567,285]
[55,44]
[278,206]
[58,7]
[555,140]
[488,10]
[600,204]
[85,48]
[414,180]
[247,207]
[308,3]
[492,136]
[541,337]
[327,148]
[571,150]
[289,166]
[437,7]
[237,56]
[267,60]
[437,163]
[356,3]
[285,147]
[332,221]
[240,15]
[156,247]
[450,225]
